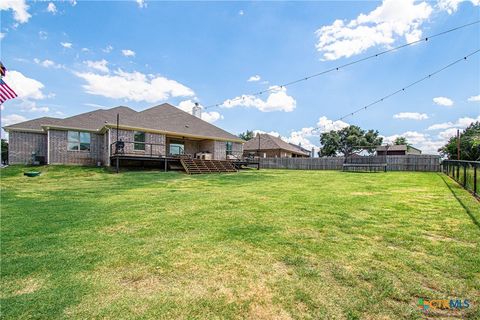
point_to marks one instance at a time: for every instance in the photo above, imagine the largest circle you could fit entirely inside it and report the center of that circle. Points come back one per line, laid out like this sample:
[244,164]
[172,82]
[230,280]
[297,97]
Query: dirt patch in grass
[363,193]
[28,285]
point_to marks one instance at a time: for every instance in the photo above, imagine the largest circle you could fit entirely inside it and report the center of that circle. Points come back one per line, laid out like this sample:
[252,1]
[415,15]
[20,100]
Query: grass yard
[274,244]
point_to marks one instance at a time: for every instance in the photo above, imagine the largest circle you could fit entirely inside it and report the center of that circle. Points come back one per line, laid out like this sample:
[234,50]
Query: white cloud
[211,116]
[302,137]
[277,100]
[443,101]
[272,133]
[52,8]
[461,123]
[186,105]
[474,98]
[128,53]
[141,3]
[73,3]
[134,86]
[451,6]
[382,26]
[411,116]
[94,105]
[48,63]
[254,78]
[12,119]
[241,12]
[447,134]
[26,88]
[85,50]
[19,8]
[31,106]
[42,35]
[66,44]
[326,125]
[2,35]
[100,65]
[108,49]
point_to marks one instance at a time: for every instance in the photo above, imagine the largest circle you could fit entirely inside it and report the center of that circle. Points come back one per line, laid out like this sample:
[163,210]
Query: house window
[139,140]
[229,147]
[78,141]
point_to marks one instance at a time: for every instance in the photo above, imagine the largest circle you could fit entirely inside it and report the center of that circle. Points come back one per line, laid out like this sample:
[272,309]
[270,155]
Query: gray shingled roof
[35,124]
[268,142]
[164,117]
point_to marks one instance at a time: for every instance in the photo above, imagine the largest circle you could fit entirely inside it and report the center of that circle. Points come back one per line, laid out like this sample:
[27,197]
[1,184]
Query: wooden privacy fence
[394,163]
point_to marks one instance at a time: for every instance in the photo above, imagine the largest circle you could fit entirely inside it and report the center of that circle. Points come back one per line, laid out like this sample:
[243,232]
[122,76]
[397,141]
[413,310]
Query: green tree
[4,147]
[469,144]
[247,135]
[349,140]
[401,141]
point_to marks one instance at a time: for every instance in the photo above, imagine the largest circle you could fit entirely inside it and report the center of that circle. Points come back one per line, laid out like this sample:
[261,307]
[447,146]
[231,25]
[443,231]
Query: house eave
[171,133]
[125,127]
[7,129]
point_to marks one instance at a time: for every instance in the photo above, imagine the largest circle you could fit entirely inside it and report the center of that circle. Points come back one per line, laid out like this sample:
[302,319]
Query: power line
[405,87]
[347,64]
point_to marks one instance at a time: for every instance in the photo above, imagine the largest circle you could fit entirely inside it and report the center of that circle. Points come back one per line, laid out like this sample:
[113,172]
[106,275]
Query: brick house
[267,146]
[91,138]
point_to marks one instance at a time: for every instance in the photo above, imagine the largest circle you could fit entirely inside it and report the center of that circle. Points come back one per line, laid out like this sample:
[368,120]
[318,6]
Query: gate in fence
[464,172]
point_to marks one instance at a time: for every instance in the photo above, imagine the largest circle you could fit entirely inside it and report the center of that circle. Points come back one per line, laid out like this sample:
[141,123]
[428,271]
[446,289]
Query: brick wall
[237,149]
[128,135]
[60,155]
[23,144]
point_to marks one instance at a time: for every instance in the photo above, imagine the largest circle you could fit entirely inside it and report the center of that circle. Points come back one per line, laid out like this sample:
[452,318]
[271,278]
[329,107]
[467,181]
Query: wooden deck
[181,163]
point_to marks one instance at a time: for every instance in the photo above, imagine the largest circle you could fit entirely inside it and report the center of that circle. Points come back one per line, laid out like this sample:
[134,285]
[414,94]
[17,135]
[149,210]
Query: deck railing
[135,148]
[464,172]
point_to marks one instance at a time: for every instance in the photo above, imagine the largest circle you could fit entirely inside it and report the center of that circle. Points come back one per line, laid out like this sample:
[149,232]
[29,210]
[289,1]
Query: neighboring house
[89,138]
[397,150]
[302,149]
[267,146]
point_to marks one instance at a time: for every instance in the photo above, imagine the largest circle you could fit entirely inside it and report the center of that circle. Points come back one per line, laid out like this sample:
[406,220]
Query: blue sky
[65,58]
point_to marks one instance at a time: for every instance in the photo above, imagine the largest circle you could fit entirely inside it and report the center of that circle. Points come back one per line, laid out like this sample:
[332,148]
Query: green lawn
[271,244]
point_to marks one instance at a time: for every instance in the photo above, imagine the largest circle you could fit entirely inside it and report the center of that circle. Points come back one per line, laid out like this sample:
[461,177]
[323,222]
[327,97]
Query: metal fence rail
[464,172]
[394,163]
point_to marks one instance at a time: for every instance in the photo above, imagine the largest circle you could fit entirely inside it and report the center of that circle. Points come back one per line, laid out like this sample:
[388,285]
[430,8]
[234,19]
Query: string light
[306,78]
[464,58]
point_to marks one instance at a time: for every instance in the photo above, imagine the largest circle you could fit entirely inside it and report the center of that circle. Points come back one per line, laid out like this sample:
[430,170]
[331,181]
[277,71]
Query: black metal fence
[464,172]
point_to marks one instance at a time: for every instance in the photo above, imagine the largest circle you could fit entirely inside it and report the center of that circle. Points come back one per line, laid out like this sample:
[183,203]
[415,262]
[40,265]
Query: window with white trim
[139,140]
[78,141]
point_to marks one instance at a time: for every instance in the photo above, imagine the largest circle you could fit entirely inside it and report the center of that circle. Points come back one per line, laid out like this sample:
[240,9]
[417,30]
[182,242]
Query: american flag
[6,92]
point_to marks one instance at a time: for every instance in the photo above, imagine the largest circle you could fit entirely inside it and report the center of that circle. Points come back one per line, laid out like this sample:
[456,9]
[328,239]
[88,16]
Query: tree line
[353,140]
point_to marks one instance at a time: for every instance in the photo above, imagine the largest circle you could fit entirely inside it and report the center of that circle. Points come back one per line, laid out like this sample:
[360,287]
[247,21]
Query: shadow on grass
[460,201]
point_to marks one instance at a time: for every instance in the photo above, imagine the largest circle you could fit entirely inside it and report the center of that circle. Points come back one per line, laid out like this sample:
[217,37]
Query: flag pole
[1,148]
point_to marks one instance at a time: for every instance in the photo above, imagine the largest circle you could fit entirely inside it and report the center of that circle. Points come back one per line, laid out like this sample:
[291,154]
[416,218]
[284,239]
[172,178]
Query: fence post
[475,179]
[465,175]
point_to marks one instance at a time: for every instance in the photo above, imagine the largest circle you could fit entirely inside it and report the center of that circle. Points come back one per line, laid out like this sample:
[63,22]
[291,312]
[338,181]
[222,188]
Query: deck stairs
[198,166]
